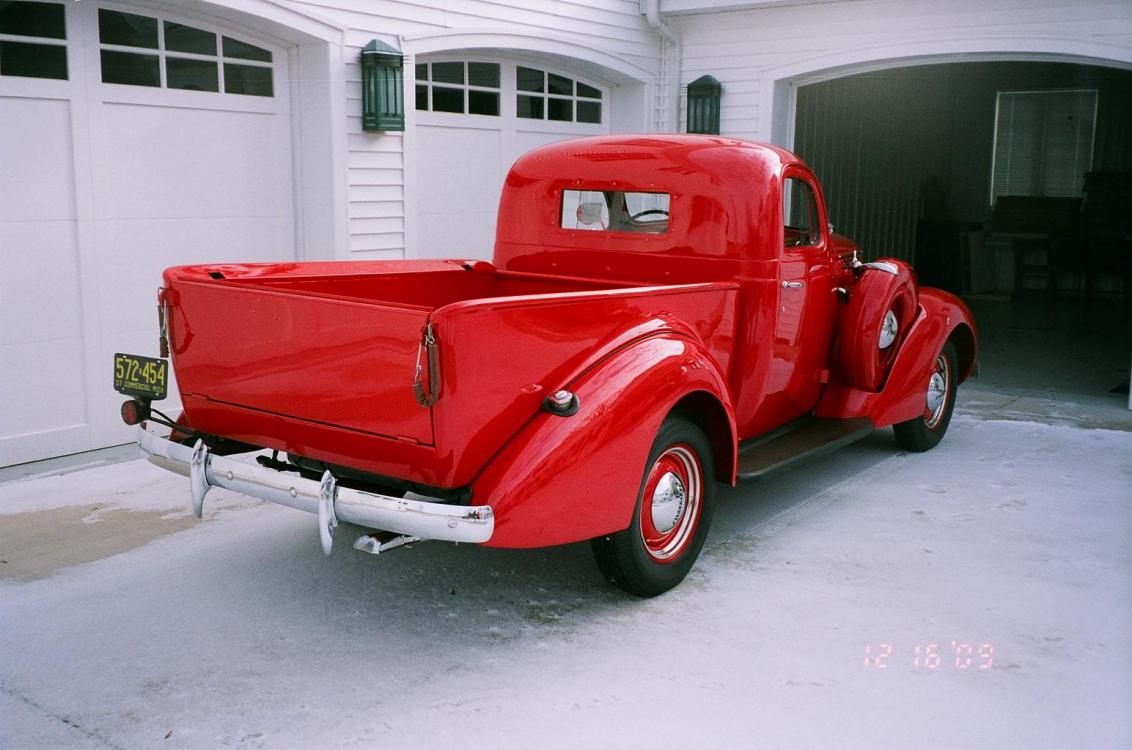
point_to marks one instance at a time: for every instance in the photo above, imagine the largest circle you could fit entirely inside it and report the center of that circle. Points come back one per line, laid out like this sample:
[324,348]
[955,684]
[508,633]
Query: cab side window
[800,214]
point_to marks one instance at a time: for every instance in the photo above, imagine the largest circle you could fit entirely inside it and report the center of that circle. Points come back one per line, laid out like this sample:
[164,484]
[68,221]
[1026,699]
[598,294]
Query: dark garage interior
[1009,183]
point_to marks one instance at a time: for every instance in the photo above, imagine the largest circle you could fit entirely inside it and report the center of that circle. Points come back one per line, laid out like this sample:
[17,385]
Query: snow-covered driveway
[979,595]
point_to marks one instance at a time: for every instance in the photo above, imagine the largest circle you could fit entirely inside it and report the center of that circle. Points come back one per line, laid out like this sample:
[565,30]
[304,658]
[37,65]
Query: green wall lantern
[704,94]
[383,88]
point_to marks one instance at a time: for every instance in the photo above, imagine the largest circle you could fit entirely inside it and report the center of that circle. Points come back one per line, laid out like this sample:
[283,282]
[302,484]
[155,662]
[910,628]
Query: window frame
[547,96]
[620,214]
[466,88]
[817,231]
[1075,191]
[64,42]
[144,93]
[508,120]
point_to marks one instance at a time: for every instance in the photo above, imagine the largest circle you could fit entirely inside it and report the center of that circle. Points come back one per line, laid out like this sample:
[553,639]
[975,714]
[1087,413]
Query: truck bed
[318,359]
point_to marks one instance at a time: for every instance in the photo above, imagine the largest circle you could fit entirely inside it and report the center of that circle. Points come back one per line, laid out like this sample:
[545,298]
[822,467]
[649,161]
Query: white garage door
[130,141]
[475,116]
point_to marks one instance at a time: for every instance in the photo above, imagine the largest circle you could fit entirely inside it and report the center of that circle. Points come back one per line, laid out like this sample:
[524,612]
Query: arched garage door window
[140,50]
[550,96]
[477,88]
[458,87]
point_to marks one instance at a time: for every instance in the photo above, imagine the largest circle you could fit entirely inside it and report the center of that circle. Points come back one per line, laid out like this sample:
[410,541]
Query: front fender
[567,479]
[942,316]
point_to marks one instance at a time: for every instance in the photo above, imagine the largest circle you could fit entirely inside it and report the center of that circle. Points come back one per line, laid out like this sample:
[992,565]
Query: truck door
[806,300]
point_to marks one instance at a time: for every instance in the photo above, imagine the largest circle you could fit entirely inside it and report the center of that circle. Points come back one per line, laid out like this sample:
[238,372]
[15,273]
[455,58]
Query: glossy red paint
[725,204]
[565,479]
[941,316]
[492,390]
[318,359]
[861,361]
[321,365]
[726,224]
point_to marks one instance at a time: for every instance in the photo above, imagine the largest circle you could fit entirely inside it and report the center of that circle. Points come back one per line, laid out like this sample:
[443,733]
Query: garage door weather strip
[412,520]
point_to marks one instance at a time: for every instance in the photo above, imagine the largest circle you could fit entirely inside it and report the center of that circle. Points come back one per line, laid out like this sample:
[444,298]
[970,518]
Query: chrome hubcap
[937,392]
[668,500]
[888,330]
[671,504]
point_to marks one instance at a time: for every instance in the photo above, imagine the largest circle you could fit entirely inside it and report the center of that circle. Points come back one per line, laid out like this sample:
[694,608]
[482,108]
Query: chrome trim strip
[883,265]
[418,518]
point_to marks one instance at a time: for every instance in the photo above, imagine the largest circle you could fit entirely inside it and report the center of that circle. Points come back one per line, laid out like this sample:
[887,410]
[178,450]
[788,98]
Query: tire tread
[620,556]
[914,435]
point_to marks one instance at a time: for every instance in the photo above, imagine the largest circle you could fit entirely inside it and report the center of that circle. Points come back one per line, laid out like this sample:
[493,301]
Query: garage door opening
[1009,183]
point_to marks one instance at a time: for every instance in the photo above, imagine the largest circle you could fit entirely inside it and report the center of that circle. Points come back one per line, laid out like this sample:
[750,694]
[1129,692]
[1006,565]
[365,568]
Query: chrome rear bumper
[331,503]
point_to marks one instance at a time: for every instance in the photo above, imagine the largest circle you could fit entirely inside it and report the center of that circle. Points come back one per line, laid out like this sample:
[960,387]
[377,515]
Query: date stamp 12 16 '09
[931,656]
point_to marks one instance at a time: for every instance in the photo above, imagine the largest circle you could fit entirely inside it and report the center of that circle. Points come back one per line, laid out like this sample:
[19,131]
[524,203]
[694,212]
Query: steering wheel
[648,211]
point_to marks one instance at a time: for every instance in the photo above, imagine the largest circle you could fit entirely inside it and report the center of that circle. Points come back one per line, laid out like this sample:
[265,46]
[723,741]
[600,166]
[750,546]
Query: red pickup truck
[662,313]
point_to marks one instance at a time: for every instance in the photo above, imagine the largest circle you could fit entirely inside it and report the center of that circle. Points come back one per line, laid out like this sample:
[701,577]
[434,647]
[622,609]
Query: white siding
[748,50]
[377,163]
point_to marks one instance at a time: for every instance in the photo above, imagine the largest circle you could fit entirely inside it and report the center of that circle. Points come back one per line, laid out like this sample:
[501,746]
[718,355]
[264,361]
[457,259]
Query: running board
[797,442]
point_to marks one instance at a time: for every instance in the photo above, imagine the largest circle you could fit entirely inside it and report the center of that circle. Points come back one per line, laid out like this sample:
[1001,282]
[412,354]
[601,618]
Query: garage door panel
[524,141]
[36,179]
[164,161]
[133,254]
[103,186]
[463,153]
[42,386]
[457,235]
[42,368]
[33,446]
[40,297]
[460,170]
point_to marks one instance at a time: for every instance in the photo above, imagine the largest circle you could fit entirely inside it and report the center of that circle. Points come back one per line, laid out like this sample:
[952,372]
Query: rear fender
[942,316]
[567,479]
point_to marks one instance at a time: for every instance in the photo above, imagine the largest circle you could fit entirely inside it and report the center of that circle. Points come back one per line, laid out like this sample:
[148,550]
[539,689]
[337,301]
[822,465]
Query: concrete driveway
[978,595]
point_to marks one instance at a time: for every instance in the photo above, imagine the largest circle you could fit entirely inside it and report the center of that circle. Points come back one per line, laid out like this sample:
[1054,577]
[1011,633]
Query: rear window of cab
[615,211]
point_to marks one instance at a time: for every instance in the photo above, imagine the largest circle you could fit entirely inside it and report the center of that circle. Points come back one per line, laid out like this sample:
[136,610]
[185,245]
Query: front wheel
[671,516]
[925,431]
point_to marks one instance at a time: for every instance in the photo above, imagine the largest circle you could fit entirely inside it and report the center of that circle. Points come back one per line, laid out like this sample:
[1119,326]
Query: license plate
[143,377]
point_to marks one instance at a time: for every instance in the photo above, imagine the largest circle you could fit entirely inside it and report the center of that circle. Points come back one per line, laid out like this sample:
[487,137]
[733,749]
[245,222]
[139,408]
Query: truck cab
[733,211]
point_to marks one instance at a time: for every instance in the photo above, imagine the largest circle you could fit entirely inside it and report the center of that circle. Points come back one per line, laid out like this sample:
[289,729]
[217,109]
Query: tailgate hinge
[162,324]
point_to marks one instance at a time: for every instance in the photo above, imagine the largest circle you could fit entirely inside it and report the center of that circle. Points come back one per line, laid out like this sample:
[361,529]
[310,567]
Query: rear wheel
[671,516]
[925,431]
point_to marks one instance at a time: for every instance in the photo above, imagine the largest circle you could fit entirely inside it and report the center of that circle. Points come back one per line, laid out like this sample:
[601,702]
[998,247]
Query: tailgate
[342,362]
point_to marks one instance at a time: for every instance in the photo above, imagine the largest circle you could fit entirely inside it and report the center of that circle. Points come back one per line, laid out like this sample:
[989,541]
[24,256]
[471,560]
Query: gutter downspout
[672,60]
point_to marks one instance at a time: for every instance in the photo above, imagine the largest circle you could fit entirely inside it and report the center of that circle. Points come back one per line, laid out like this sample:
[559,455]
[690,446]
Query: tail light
[134,411]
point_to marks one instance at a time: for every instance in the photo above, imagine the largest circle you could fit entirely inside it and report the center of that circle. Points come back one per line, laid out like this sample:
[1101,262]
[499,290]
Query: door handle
[792,284]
